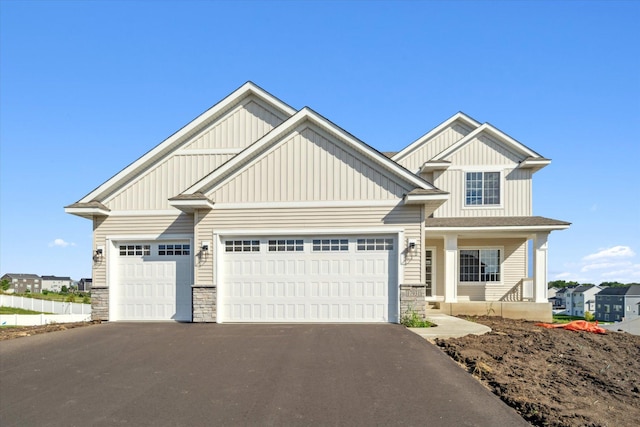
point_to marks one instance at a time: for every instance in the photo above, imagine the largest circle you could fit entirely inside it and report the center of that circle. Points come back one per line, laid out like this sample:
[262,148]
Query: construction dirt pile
[555,377]
[7,333]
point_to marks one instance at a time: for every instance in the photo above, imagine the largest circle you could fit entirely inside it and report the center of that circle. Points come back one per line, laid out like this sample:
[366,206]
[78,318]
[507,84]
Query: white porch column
[450,268]
[540,247]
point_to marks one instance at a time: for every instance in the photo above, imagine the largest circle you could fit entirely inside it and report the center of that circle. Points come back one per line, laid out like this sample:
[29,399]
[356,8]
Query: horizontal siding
[307,166]
[239,128]
[429,149]
[138,225]
[403,217]
[514,268]
[516,194]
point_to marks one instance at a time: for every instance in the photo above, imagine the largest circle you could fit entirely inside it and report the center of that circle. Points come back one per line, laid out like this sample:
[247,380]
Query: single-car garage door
[309,279]
[153,281]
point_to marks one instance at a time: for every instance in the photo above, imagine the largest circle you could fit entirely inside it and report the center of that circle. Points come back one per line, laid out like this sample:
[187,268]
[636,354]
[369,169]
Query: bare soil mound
[555,377]
[7,333]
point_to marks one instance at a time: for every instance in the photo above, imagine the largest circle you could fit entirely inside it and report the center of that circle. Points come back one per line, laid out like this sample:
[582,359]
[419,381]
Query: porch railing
[522,291]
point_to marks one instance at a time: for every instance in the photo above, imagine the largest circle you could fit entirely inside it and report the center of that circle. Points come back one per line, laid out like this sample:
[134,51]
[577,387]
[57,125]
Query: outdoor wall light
[205,247]
[98,254]
[412,244]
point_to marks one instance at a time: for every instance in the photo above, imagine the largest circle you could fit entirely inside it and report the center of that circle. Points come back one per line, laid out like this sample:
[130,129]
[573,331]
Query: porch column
[540,247]
[450,268]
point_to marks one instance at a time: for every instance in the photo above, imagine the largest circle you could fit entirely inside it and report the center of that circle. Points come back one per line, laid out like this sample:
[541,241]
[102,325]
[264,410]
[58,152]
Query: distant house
[84,285]
[618,303]
[582,299]
[21,283]
[55,283]
[560,299]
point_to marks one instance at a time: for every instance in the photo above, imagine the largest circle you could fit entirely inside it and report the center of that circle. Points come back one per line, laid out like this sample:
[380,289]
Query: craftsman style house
[257,212]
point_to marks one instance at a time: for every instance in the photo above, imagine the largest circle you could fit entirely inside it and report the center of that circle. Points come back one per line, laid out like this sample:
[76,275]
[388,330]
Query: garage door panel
[153,287]
[307,285]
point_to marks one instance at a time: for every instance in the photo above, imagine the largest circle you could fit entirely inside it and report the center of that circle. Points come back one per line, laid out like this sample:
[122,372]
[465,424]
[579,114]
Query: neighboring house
[55,283]
[257,212]
[84,285]
[561,297]
[617,304]
[22,283]
[582,299]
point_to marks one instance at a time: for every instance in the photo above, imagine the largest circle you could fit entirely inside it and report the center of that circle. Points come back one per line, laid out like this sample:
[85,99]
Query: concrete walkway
[449,327]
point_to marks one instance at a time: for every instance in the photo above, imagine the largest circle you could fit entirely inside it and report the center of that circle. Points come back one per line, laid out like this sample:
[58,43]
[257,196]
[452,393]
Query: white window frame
[482,248]
[482,171]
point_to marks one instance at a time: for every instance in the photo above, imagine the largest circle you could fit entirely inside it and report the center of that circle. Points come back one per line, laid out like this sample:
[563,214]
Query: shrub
[588,316]
[411,319]
[86,300]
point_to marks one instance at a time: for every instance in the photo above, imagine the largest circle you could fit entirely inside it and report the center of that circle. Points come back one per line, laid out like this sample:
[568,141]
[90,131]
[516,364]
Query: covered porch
[488,265]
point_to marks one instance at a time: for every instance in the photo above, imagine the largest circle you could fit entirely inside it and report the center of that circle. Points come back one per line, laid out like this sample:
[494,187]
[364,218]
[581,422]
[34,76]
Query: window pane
[491,188]
[469,265]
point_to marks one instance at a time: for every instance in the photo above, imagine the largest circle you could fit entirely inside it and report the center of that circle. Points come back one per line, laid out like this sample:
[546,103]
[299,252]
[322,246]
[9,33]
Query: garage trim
[219,237]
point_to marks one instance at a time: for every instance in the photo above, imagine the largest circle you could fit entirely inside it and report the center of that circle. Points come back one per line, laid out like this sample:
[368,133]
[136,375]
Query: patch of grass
[564,318]
[15,310]
[411,319]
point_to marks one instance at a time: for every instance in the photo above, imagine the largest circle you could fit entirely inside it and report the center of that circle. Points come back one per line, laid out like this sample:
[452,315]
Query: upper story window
[482,189]
[480,265]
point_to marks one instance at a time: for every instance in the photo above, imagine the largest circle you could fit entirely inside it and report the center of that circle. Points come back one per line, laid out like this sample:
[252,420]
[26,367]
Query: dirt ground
[27,331]
[555,377]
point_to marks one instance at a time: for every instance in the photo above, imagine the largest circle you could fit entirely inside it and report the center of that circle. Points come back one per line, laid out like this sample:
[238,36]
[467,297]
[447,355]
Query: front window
[480,265]
[482,189]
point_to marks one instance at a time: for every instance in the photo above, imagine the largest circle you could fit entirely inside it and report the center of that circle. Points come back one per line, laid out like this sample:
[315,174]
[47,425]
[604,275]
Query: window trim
[482,206]
[501,261]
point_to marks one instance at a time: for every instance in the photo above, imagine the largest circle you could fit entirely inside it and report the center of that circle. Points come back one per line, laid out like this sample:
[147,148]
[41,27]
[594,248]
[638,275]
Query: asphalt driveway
[172,374]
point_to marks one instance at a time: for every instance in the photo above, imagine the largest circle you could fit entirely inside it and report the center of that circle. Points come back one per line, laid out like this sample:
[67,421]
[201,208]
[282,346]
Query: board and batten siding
[199,156]
[401,216]
[151,225]
[309,166]
[514,267]
[428,150]
[240,127]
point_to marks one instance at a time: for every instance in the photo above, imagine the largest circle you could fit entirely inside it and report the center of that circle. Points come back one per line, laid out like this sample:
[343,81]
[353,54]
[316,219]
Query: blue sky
[88,87]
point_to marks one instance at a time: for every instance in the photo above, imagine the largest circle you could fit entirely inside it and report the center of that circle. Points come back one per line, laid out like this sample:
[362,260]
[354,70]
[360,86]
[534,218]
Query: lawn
[15,310]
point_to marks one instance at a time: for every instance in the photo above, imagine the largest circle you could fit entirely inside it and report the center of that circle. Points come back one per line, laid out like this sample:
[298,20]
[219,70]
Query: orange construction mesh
[576,325]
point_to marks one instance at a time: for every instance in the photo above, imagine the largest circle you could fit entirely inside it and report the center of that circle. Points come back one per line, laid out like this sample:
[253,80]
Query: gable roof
[174,141]
[21,276]
[493,131]
[459,116]
[259,149]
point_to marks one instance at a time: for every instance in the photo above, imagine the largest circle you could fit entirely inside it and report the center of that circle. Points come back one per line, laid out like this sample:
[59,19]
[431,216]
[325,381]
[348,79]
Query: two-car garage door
[308,279]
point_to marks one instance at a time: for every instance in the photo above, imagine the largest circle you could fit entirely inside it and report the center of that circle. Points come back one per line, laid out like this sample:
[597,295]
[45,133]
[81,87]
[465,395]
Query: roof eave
[535,164]
[88,213]
[190,206]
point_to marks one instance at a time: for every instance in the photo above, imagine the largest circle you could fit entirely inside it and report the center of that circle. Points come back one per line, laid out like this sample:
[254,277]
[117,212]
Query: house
[561,297]
[581,299]
[84,285]
[618,304]
[257,212]
[55,283]
[23,283]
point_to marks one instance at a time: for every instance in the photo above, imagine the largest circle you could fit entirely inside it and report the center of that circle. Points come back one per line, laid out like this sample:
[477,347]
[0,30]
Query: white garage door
[153,281]
[309,279]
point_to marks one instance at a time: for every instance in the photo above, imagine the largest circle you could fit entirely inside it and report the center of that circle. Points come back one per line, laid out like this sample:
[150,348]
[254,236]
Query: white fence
[45,306]
[41,319]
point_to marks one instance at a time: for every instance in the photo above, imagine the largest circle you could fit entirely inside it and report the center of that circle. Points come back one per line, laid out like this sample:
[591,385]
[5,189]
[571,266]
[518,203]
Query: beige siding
[234,131]
[401,217]
[514,268]
[240,127]
[166,180]
[484,150]
[134,226]
[429,149]
[516,194]
[310,167]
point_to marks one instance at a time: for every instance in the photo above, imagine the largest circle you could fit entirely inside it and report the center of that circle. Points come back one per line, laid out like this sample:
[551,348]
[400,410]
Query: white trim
[87,212]
[151,212]
[429,135]
[190,205]
[527,228]
[187,131]
[148,237]
[310,204]
[411,199]
[198,151]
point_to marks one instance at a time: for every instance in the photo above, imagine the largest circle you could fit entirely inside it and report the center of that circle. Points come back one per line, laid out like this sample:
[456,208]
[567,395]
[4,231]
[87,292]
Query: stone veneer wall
[204,303]
[412,298]
[99,303]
